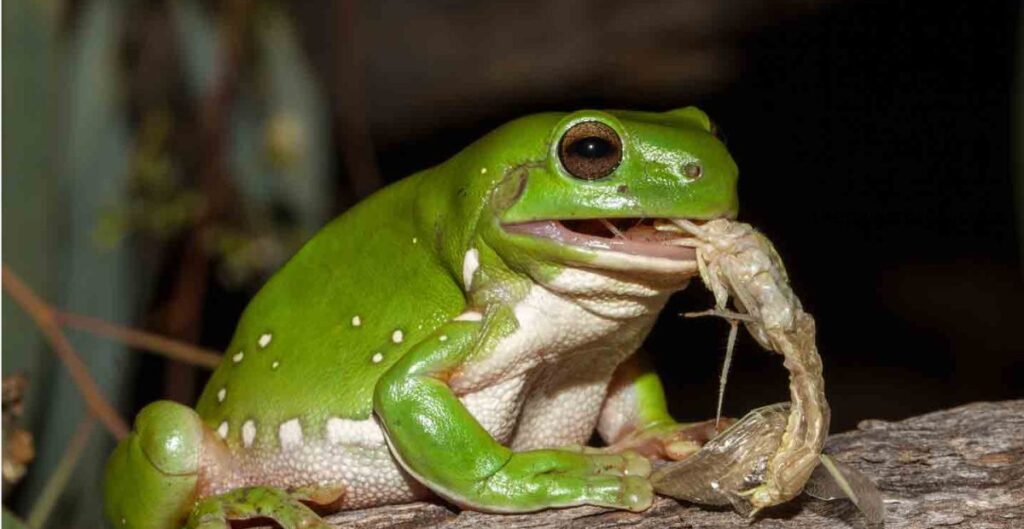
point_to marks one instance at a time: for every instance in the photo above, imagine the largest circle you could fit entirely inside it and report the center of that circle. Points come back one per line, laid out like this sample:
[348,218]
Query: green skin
[365,263]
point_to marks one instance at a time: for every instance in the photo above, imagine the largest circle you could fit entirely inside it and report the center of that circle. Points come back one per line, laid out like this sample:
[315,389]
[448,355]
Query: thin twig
[154,343]
[43,316]
[58,481]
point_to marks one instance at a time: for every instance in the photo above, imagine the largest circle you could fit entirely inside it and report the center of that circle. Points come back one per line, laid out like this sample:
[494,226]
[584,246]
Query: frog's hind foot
[670,442]
[250,503]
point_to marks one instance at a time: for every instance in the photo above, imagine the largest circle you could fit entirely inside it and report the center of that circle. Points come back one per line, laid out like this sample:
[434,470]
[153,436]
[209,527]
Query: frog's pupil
[592,147]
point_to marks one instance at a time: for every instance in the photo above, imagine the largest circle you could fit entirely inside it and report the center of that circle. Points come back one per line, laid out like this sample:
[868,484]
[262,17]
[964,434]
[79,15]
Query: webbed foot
[671,442]
[216,512]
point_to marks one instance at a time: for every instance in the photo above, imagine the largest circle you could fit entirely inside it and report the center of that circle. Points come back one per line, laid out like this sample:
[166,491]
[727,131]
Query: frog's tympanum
[459,334]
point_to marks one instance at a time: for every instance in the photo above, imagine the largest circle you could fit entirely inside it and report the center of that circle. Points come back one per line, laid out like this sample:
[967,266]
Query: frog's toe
[623,464]
[636,465]
[681,449]
[250,503]
[637,494]
[582,449]
[630,492]
[672,442]
[763,495]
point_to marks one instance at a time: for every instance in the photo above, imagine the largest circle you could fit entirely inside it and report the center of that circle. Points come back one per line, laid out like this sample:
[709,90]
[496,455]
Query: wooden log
[959,468]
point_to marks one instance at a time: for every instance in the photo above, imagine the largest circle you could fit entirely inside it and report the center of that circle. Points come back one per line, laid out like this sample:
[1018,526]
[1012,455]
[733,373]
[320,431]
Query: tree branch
[960,468]
[154,343]
[58,481]
[44,317]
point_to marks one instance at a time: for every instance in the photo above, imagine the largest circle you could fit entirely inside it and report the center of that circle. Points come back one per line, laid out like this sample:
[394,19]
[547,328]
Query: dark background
[875,149]
[878,146]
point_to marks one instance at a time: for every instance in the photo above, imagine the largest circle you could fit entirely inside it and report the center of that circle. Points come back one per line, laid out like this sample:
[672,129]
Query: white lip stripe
[470,264]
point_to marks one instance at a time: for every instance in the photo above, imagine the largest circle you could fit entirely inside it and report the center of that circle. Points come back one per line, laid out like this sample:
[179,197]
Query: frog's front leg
[635,416]
[441,444]
[154,478]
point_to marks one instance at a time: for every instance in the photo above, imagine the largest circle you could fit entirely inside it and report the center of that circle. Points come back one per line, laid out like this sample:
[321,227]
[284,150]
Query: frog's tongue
[628,236]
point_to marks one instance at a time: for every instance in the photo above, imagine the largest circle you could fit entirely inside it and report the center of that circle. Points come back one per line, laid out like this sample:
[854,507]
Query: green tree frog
[459,334]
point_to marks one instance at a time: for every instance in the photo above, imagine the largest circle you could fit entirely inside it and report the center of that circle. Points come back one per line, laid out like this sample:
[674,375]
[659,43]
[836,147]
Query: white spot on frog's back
[470,264]
[290,434]
[222,394]
[356,321]
[248,433]
[265,339]
[222,430]
[238,357]
[397,336]
[275,365]
[377,358]
[366,433]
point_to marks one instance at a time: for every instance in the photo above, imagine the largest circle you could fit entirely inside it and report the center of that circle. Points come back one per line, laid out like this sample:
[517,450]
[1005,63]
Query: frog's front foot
[216,512]
[558,478]
[674,441]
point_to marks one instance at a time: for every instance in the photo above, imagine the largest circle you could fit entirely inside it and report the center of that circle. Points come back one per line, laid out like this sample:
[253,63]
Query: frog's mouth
[630,236]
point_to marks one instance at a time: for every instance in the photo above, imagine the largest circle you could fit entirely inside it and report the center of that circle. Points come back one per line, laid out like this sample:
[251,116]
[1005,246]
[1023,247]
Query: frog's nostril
[693,171]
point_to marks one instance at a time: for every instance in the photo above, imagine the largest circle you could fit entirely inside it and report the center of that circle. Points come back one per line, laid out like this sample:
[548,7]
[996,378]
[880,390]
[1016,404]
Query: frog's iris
[590,150]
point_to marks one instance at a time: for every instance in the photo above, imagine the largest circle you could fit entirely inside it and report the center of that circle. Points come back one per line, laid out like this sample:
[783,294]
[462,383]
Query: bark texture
[959,468]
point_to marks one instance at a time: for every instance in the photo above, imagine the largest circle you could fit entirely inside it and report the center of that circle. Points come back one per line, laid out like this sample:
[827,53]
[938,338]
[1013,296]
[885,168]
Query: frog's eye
[590,150]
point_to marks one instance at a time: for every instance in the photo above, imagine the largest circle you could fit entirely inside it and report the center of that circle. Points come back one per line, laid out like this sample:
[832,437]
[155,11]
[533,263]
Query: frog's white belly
[542,386]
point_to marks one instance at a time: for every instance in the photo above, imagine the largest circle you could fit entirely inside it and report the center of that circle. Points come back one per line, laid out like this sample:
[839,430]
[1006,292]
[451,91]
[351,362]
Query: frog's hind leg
[249,503]
[635,417]
[153,475]
[158,476]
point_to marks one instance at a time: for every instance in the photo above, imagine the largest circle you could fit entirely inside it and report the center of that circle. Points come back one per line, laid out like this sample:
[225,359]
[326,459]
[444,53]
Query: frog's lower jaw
[615,244]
